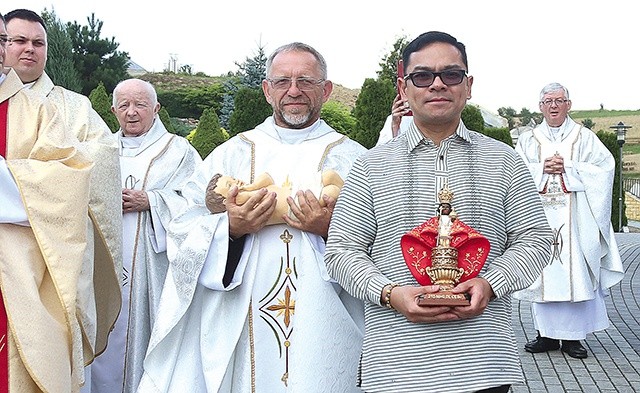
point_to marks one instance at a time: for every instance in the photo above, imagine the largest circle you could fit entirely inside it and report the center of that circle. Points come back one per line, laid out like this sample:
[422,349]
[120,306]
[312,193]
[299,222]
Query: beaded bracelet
[387,295]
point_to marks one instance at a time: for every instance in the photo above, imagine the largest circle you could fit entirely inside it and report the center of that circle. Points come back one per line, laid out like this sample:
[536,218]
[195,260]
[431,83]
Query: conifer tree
[251,109]
[102,104]
[251,73]
[166,120]
[208,135]
[372,108]
[389,63]
[60,67]
[96,59]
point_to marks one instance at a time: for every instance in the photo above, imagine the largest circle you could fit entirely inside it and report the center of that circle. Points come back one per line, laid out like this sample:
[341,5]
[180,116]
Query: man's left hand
[309,215]
[134,200]
[480,291]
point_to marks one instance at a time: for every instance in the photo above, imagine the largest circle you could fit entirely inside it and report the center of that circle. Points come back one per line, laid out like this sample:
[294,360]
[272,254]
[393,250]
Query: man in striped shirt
[392,189]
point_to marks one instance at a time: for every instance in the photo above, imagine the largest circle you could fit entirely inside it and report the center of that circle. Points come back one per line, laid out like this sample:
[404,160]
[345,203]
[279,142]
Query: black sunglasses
[426,78]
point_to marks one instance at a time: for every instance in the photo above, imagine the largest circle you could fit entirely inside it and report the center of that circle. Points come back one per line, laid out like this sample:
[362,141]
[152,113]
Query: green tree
[372,108]
[588,123]
[186,69]
[96,59]
[338,116]
[525,116]
[208,135]
[500,134]
[166,120]
[389,63]
[251,109]
[472,118]
[609,139]
[250,74]
[102,104]
[508,113]
[182,127]
[189,102]
[230,87]
[60,67]
[253,70]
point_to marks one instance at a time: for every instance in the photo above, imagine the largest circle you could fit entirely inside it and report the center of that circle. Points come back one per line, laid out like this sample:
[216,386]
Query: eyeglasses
[426,78]
[557,101]
[304,84]
[3,40]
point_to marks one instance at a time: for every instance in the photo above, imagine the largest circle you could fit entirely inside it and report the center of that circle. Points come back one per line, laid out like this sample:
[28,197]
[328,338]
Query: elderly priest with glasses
[573,171]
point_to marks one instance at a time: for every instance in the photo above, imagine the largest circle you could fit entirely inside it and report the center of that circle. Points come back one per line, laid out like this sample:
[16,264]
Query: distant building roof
[491,119]
[135,69]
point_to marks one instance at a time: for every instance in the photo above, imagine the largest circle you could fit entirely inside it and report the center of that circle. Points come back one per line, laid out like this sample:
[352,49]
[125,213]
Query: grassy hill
[171,81]
[604,119]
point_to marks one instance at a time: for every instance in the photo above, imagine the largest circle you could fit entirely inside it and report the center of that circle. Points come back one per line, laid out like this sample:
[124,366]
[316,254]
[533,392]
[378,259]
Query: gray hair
[553,87]
[299,47]
[151,91]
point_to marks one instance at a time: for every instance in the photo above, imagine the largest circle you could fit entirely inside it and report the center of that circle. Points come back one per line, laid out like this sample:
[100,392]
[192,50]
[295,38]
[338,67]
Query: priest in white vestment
[249,307]
[574,173]
[27,55]
[44,199]
[154,166]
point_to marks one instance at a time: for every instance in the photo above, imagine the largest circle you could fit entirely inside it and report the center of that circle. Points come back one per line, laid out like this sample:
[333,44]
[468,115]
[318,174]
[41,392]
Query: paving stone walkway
[613,364]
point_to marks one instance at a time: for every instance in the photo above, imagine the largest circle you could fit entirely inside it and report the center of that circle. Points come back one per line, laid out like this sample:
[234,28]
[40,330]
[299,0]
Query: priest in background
[573,172]
[154,166]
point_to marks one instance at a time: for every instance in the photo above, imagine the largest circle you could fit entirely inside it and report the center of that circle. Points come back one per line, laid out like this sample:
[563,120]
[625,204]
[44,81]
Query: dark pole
[621,191]
[621,130]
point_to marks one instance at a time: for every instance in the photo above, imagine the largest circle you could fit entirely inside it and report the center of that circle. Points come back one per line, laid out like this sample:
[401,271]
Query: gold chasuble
[42,264]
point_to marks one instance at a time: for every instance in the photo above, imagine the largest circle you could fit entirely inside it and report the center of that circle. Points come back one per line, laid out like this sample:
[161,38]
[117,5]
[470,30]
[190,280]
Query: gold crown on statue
[445,195]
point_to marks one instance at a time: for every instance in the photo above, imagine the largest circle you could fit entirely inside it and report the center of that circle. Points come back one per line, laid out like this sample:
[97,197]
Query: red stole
[4,106]
[4,347]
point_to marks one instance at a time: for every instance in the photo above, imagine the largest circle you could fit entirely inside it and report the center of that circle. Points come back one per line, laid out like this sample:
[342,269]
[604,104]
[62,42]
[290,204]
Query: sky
[514,47]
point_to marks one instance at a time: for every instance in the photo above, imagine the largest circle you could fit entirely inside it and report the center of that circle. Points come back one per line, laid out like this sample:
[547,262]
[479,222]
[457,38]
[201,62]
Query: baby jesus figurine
[330,184]
[446,217]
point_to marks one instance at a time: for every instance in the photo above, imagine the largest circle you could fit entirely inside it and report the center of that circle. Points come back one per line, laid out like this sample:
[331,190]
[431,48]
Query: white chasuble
[281,325]
[585,260]
[290,294]
[158,163]
[563,279]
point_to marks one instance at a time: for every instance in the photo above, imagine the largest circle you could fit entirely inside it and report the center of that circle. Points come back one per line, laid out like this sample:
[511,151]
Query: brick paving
[613,364]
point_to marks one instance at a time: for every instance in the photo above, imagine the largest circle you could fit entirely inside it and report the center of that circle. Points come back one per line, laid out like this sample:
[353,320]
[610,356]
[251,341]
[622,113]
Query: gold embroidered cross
[285,307]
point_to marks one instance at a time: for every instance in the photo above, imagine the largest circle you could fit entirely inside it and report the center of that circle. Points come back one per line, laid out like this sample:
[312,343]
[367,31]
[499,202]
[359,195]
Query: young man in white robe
[154,166]
[574,172]
[248,306]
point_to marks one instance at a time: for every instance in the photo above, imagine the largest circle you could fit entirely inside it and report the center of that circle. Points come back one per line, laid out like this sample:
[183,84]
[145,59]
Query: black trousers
[497,389]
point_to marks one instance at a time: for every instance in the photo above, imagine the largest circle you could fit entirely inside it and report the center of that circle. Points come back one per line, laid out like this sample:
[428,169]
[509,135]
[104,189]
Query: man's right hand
[404,299]
[251,216]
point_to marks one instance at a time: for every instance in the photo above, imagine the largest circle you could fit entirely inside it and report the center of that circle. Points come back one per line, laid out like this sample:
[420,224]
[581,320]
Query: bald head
[135,104]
